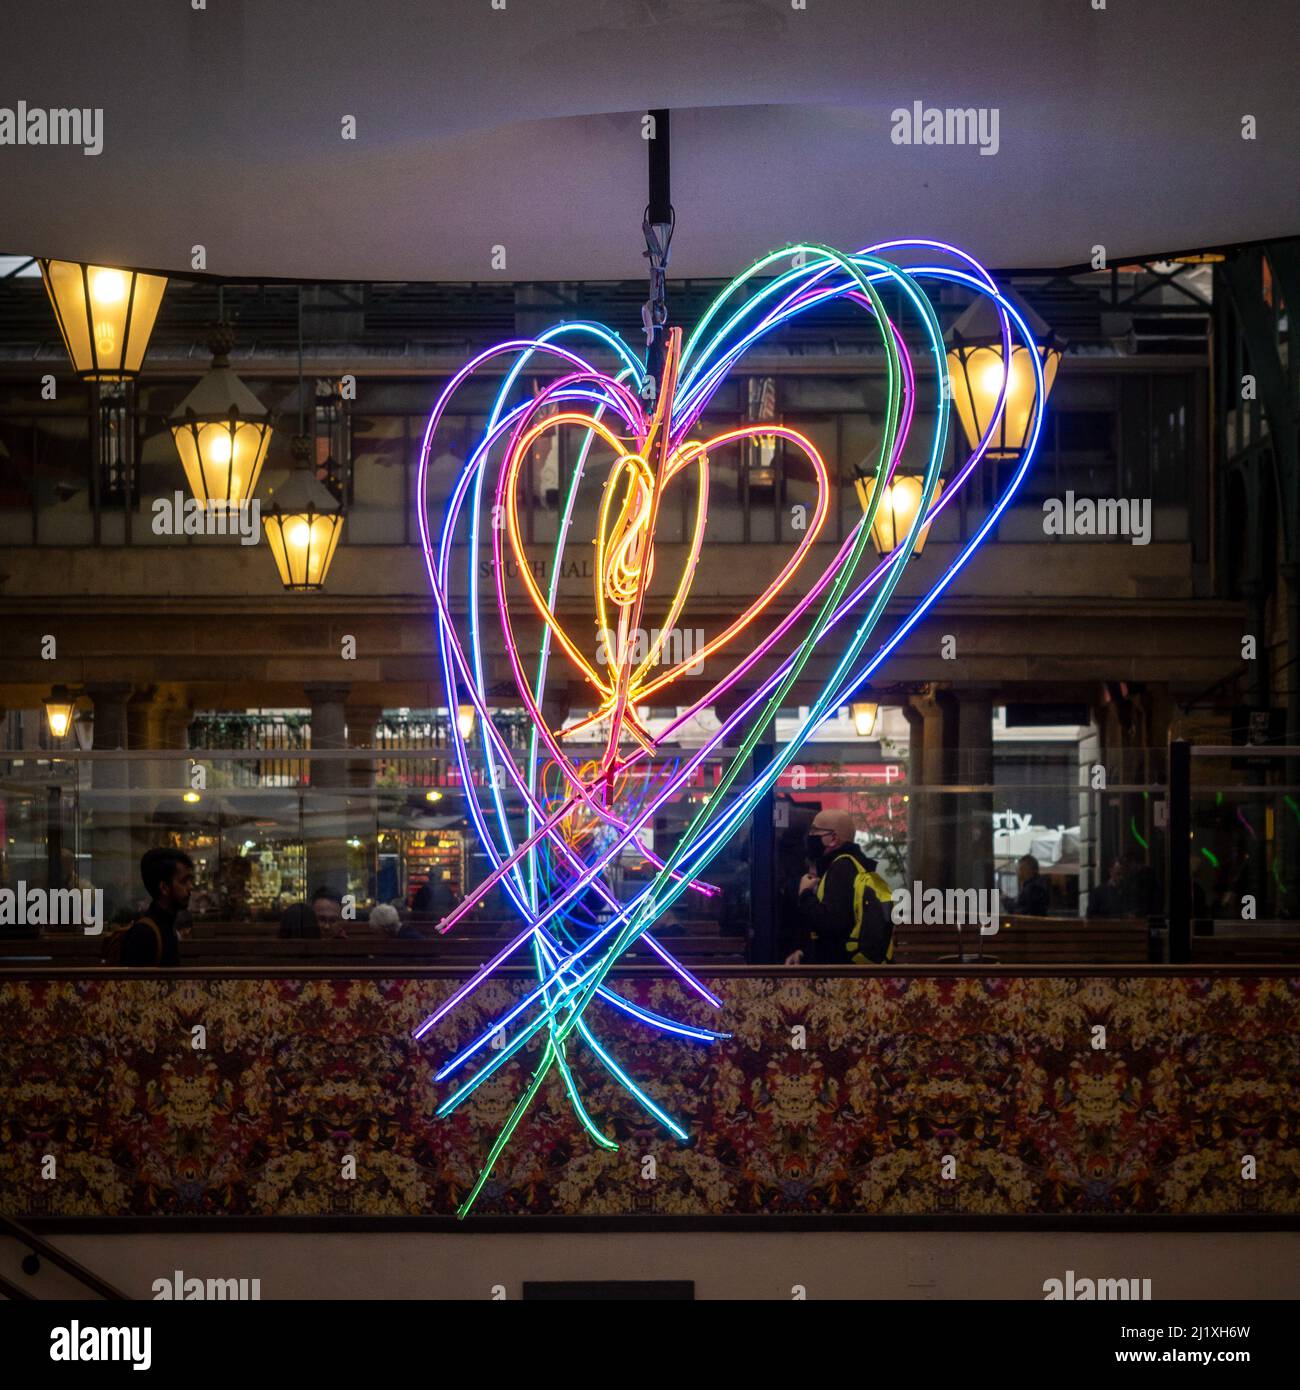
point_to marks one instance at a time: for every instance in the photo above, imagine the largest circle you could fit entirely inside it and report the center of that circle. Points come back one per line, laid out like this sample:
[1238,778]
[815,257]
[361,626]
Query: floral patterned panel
[891,1095]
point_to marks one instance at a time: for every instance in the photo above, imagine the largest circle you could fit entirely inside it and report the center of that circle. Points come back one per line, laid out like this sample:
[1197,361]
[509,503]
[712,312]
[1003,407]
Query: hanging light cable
[305,519]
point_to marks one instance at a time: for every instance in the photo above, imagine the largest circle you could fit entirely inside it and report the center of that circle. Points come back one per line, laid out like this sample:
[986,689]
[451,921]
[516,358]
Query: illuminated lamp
[977,373]
[221,430]
[104,314]
[303,524]
[58,712]
[465,720]
[897,511]
[864,718]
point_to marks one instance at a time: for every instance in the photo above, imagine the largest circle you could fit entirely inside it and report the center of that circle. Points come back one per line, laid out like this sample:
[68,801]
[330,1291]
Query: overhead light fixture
[104,314]
[977,373]
[83,727]
[433,796]
[191,797]
[305,518]
[897,511]
[465,720]
[303,524]
[222,431]
[864,715]
[58,712]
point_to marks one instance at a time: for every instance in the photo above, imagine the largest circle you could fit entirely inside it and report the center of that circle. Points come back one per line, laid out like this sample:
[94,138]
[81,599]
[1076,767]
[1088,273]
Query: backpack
[115,941]
[870,893]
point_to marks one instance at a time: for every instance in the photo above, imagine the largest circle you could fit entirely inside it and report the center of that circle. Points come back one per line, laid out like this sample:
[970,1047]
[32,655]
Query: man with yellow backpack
[844,905]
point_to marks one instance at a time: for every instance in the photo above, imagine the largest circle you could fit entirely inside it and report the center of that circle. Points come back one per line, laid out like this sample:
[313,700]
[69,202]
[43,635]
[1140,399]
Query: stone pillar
[150,782]
[325,799]
[361,721]
[931,812]
[916,818]
[109,811]
[556,704]
[763,928]
[363,799]
[30,724]
[974,833]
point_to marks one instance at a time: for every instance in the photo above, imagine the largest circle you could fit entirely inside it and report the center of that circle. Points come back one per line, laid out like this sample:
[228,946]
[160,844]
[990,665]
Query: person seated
[1107,899]
[1035,894]
[1142,895]
[434,900]
[298,922]
[328,907]
[386,917]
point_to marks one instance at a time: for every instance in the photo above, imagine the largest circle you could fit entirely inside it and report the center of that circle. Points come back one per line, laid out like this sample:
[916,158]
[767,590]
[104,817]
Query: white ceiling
[521,128]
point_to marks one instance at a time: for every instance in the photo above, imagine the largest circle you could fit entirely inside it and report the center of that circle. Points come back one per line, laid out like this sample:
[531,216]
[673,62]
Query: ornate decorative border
[895,1071]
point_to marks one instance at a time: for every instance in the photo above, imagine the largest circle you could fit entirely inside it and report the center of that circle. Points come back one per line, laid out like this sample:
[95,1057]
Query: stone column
[363,799]
[361,721]
[931,809]
[556,704]
[150,782]
[325,800]
[916,818]
[109,810]
[974,833]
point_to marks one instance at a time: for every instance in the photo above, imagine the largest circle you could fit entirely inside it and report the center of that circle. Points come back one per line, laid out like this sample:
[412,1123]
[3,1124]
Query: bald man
[828,917]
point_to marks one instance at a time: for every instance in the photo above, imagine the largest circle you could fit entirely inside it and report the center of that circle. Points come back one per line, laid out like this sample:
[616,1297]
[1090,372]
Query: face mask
[815,846]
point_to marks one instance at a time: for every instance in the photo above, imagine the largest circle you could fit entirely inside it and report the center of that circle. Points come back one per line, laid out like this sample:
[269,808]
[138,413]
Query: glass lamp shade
[83,727]
[58,712]
[222,458]
[465,720]
[898,509]
[303,526]
[104,314]
[222,432]
[863,715]
[977,375]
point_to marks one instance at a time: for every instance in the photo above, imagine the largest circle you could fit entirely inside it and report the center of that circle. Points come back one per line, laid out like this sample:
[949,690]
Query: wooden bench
[1027,941]
[1246,950]
[261,946]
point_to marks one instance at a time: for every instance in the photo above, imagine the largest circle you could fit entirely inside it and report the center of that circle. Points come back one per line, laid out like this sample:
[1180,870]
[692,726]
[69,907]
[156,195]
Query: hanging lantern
[58,712]
[977,371]
[333,436]
[863,715]
[104,314]
[897,511]
[222,431]
[83,727]
[465,721]
[303,524]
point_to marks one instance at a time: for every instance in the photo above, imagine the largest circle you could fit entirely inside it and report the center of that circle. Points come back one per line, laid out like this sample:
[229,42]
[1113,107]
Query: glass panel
[1077,867]
[1245,863]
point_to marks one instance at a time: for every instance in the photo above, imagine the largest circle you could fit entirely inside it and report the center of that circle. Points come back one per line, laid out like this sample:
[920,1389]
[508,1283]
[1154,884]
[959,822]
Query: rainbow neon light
[582,817]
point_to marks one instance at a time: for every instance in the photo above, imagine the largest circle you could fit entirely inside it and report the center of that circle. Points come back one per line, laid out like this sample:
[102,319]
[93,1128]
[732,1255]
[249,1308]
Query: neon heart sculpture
[580,818]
